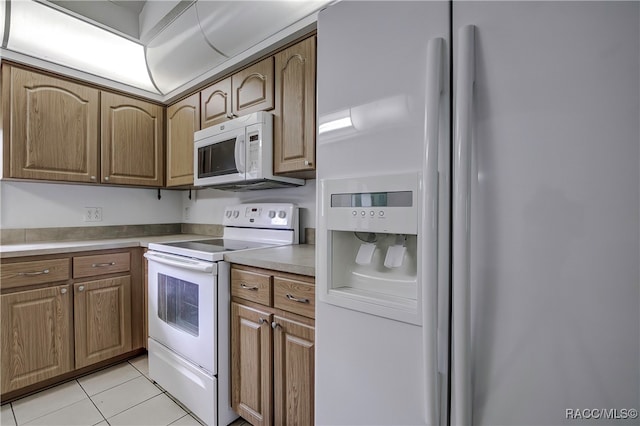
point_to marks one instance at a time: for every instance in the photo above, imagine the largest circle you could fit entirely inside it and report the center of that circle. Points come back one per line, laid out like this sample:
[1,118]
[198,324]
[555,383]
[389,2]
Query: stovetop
[218,245]
[246,227]
[210,250]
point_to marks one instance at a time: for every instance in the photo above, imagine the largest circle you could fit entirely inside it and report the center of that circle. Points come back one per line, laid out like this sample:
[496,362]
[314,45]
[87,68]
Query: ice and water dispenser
[370,258]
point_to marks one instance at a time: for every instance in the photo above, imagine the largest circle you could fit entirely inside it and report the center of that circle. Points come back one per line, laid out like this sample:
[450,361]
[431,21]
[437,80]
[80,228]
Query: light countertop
[295,259]
[56,247]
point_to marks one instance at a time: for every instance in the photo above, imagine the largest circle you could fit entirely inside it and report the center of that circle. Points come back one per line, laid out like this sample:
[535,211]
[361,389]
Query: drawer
[37,272]
[294,296]
[251,286]
[89,266]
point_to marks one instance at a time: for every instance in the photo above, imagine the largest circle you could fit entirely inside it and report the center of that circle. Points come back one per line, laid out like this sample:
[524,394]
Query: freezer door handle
[461,279]
[433,111]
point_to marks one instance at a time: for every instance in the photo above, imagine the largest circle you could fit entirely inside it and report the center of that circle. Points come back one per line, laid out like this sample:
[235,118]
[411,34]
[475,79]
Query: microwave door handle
[240,154]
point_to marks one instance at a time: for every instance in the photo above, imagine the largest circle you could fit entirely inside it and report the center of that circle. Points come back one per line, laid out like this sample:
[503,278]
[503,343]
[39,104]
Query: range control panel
[261,215]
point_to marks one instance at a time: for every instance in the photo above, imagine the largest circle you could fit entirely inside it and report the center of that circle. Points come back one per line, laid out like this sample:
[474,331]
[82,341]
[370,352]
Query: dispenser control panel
[374,203]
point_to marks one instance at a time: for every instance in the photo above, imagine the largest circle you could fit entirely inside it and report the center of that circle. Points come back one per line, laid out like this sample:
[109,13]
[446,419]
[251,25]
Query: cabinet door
[36,336]
[294,142]
[252,88]
[183,119]
[52,128]
[102,314]
[132,141]
[251,364]
[293,367]
[215,103]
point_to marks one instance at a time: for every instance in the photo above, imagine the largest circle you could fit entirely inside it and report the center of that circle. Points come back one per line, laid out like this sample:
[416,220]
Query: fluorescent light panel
[45,33]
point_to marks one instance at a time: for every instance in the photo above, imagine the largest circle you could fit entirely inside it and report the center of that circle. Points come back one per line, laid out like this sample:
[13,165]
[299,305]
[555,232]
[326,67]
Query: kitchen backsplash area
[207,205]
[32,211]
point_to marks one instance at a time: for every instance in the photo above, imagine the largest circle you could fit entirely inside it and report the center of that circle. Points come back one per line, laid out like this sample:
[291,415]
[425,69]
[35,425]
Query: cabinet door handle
[262,321]
[102,265]
[81,288]
[246,287]
[295,299]
[275,325]
[307,162]
[93,178]
[34,273]
[106,178]
[63,290]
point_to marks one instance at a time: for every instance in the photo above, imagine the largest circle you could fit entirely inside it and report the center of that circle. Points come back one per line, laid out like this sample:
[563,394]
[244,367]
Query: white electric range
[188,308]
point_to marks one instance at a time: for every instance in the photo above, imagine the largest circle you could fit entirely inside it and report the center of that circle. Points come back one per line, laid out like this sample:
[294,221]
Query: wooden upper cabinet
[215,103]
[183,120]
[51,127]
[294,122]
[132,141]
[253,88]
[37,341]
[247,91]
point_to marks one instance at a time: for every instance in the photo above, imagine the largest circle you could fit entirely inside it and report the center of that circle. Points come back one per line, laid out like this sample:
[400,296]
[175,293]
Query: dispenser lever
[395,253]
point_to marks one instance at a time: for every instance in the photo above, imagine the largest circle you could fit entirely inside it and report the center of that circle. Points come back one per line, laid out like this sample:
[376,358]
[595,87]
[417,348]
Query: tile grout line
[50,412]
[141,402]
[15,419]
[92,402]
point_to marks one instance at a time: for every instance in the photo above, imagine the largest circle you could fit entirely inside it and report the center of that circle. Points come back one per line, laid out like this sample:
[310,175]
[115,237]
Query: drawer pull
[31,274]
[295,299]
[102,265]
[246,287]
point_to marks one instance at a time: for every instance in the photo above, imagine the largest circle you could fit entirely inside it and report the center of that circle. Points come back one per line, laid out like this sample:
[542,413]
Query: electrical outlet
[93,214]
[187,213]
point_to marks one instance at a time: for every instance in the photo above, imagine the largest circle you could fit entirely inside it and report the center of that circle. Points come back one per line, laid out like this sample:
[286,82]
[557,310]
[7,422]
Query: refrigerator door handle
[434,95]
[461,413]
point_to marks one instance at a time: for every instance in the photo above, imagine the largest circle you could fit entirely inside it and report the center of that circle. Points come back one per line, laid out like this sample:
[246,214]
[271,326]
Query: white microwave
[237,155]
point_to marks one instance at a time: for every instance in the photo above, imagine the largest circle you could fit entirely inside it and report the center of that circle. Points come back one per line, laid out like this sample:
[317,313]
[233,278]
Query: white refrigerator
[478,236]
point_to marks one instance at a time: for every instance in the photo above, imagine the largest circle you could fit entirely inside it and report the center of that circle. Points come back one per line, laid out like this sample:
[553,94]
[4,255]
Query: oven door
[220,158]
[182,307]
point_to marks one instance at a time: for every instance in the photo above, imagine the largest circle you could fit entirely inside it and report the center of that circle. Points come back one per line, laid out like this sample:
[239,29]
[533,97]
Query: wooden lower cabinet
[102,318]
[251,364]
[272,349]
[293,377]
[61,316]
[36,336]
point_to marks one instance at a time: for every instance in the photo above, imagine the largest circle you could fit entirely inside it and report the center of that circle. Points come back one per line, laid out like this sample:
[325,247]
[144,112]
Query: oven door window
[178,303]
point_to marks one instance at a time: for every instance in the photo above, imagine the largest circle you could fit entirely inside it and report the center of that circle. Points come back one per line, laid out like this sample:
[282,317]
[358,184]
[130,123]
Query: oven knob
[272,214]
[236,213]
[282,214]
[228,213]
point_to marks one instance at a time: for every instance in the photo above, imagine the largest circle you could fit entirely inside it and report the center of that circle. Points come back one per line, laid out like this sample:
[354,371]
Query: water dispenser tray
[376,298]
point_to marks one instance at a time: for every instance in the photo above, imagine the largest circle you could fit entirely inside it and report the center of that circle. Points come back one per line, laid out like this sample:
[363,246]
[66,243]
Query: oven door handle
[180,262]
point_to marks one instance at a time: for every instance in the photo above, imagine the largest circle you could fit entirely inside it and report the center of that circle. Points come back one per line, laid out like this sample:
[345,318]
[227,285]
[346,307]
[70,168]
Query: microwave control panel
[254,142]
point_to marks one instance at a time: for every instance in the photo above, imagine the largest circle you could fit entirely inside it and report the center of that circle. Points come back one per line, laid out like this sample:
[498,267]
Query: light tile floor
[122,395]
